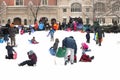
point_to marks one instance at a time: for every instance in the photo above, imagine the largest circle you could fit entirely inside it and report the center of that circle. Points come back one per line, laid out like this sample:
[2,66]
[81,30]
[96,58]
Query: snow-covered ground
[105,66]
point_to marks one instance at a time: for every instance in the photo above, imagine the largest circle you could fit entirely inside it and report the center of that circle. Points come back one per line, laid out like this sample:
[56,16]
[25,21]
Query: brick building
[25,11]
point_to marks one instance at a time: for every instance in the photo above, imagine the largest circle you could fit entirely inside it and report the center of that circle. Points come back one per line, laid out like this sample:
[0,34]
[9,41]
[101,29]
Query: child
[22,30]
[10,51]
[32,59]
[51,33]
[53,49]
[84,48]
[88,37]
[86,58]
[33,41]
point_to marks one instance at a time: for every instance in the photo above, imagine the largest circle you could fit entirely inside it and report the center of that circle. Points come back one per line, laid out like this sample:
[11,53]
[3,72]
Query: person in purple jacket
[32,59]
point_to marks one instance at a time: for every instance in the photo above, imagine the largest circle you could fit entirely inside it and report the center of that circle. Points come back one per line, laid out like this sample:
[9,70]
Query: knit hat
[71,37]
[31,52]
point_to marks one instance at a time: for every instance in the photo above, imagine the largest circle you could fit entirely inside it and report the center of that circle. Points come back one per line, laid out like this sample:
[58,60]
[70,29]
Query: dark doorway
[17,21]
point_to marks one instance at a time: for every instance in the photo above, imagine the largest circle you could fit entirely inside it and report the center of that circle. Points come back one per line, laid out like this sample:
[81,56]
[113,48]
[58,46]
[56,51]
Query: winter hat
[57,40]
[71,37]
[8,43]
[31,52]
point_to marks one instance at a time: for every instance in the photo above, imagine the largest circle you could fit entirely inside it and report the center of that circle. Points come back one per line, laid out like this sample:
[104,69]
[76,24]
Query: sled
[52,52]
[61,52]
[15,56]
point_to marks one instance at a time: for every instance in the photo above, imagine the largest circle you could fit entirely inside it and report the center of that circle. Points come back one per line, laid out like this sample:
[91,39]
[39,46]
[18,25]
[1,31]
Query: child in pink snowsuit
[84,48]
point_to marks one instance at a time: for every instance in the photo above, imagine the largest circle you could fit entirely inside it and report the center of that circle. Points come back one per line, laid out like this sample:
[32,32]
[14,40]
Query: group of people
[68,42]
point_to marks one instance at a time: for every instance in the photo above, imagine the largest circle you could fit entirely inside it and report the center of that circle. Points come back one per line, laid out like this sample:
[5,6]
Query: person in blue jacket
[51,33]
[70,44]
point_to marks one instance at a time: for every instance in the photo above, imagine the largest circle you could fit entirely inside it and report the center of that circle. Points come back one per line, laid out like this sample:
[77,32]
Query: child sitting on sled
[33,41]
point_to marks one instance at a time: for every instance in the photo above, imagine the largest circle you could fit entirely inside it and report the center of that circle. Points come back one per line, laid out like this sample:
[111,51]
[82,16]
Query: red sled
[22,32]
[75,58]
[15,56]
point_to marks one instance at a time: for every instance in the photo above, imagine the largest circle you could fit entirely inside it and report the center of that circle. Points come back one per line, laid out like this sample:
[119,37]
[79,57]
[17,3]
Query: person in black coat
[32,59]
[10,51]
[99,31]
[6,33]
[88,36]
[70,44]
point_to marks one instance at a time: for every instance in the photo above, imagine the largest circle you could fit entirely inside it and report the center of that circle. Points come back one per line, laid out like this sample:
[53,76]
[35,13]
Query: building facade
[26,11]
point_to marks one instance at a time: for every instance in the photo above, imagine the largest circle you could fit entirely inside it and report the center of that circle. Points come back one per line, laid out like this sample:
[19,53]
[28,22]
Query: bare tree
[34,8]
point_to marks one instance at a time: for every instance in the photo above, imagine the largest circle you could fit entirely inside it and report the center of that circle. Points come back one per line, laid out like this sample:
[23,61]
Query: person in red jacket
[32,59]
[86,58]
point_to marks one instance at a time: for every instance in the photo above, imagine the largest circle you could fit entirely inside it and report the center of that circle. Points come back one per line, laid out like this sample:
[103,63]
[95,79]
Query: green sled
[61,52]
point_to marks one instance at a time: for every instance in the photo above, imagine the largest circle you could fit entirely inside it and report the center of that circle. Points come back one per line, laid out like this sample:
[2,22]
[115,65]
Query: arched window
[76,7]
[116,6]
[8,21]
[25,21]
[99,7]
[19,2]
[44,2]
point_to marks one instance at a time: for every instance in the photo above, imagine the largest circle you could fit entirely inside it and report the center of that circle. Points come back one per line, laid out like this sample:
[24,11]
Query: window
[19,2]
[8,21]
[87,20]
[115,6]
[44,2]
[76,7]
[99,7]
[101,20]
[25,21]
[64,10]
[87,9]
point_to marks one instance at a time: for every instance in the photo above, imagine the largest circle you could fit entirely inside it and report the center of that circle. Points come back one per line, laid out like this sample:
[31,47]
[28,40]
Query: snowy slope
[105,66]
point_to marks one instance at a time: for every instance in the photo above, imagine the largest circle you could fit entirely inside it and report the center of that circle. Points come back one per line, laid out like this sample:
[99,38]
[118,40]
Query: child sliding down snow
[33,41]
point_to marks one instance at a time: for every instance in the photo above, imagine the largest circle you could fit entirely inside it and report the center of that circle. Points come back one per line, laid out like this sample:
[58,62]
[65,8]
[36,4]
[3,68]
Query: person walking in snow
[51,33]
[99,35]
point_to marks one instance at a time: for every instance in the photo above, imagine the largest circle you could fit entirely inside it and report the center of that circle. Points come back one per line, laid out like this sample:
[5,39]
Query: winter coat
[33,57]
[12,31]
[51,32]
[85,58]
[5,31]
[70,43]
[55,46]
[10,49]
[41,26]
[99,31]
[88,35]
